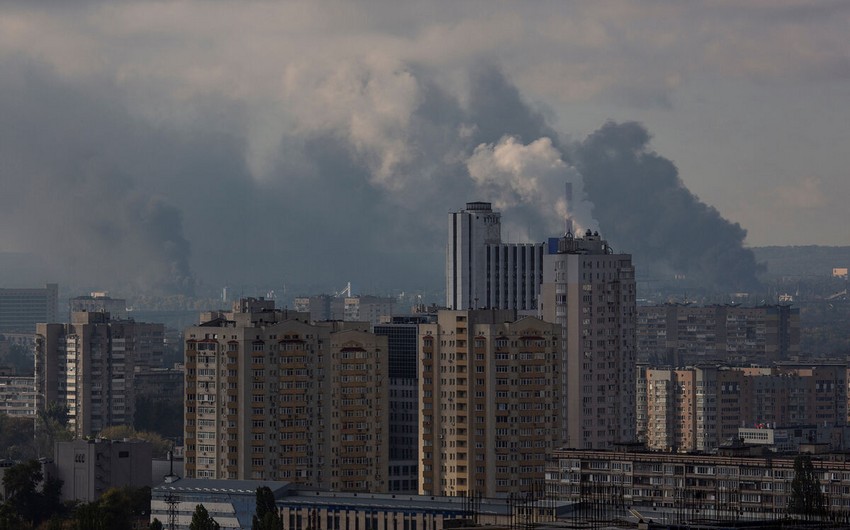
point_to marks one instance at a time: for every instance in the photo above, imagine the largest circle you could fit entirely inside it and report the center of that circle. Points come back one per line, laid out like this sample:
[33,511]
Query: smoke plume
[321,160]
[72,196]
[644,208]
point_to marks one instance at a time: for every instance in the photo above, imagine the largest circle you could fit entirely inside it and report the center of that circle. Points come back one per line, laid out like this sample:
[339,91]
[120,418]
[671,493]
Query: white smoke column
[511,175]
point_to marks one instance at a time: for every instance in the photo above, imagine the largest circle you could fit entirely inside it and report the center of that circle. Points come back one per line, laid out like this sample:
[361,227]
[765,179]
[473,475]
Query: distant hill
[802,261]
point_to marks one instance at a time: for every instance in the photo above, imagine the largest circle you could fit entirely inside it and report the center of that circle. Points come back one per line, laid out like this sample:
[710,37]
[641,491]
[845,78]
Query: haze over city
[154,147]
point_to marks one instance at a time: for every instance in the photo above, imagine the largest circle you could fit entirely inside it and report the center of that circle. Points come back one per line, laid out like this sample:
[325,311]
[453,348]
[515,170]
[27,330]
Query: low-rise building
[17,396]
[734,484]
[99,302]
[232,503]
[324,510]
[88,468]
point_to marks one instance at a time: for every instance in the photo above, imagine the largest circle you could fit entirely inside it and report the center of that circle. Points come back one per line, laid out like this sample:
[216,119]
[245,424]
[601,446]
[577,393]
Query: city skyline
[160,147]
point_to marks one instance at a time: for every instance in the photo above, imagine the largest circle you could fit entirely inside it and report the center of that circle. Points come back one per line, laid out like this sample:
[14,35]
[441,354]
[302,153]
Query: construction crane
[346,291]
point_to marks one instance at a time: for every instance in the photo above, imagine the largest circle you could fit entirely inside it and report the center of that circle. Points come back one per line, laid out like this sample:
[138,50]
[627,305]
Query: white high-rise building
[482,272]
[590,292]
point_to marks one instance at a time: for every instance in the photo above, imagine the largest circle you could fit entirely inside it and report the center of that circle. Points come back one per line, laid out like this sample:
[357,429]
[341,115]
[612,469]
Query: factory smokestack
[568,195]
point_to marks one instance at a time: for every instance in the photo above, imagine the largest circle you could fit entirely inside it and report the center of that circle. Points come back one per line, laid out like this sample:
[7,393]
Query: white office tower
[484,273]
[590,292]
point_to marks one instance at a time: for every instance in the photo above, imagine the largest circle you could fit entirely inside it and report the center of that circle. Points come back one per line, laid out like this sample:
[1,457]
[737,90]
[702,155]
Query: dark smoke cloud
[71,189]
[112,200]
[643,208]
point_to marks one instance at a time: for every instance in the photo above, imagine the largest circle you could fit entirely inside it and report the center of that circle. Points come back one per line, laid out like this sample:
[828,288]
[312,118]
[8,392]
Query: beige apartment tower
[489,390]
[271,397]
[589,291]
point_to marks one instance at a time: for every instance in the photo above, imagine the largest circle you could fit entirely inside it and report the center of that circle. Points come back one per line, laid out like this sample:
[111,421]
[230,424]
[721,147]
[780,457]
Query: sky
[180,146]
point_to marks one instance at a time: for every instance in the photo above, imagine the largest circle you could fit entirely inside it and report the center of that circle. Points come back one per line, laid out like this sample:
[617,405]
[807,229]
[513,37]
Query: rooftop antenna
[568,195]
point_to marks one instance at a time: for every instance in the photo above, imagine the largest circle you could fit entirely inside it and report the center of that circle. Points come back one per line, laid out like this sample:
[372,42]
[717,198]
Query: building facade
[692,488]
[88,468]
[99,302]
[402,333]
[322,510]
[364,308]
[232,503]
[318,306]
[483,272]
[22,309]
[88,366]
[489,388]
[679,335]
[589,291]
[270,396]
[701,408]
[160,384]
[17,396]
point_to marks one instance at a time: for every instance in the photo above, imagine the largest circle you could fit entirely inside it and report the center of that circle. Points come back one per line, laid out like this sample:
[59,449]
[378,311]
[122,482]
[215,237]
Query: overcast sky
[315,143]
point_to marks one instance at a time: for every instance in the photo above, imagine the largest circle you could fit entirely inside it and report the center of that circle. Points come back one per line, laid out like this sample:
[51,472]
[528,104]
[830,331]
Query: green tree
[24,499]
[90,516]
[16,435]
[116,509]
[201,520]
[806,496]
[140,500]
[161,446]
[51,427]
[156,525]
[266,516]
[54,523]
[162,416]
[20,483]
[9,518]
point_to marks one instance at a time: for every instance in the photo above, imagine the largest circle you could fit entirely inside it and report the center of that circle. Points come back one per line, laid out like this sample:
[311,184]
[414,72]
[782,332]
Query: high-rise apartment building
[363,308]
[270,396]
[680,335]
[402,333]
[88,366]
[489,394]
[482,271]
[22,309]
[319,307]
[589,291]
[700,408]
